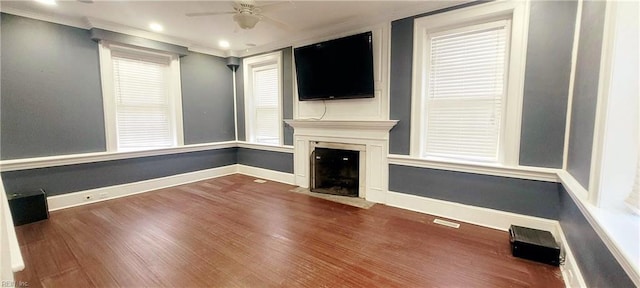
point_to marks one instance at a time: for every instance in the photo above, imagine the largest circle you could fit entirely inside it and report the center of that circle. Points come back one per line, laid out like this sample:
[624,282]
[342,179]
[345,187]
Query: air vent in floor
[446,223]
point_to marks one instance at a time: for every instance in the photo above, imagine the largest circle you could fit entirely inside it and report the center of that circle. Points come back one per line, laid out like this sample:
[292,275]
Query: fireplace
[369,137]
[335,171]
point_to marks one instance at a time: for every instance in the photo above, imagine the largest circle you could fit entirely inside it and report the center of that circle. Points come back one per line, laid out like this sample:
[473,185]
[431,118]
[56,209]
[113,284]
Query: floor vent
[446,223]
[260,181]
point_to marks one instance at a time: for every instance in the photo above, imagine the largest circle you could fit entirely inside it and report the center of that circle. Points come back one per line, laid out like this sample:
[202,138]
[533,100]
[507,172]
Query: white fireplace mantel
[383,125]
[373,135]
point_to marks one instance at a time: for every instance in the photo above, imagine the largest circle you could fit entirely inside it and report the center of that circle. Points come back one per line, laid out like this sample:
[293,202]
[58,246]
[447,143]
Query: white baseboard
[470,214]
[272,175]
[105,193]
[570,271]
[491,218]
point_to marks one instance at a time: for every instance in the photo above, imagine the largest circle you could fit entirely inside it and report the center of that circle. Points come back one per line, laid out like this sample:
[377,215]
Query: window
[615,175]
[141,98]
[467,93]
[611,200]
[263,115]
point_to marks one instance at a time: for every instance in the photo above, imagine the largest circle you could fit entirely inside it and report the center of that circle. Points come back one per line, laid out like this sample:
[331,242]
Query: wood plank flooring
[232,232]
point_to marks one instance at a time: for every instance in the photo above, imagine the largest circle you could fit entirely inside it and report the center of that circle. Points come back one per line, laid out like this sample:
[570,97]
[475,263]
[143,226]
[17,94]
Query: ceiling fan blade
[274,6]
[274,22]
[196,14]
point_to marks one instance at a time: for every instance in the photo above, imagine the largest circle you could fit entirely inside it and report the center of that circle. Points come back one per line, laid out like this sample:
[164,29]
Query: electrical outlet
[103,195]
[88,197]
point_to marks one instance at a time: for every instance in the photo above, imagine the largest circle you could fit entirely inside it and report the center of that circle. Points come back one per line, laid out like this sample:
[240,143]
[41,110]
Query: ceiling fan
[247,14]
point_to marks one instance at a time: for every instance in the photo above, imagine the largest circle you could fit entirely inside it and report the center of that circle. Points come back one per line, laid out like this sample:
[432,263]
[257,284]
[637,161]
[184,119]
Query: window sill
[268,147]
[61,160]
[520,172]
[622,227]
[618,228]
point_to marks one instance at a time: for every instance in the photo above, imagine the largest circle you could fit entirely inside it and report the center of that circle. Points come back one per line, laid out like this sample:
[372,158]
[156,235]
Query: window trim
[248,65]
[518,13]
[611,229]
[105,49]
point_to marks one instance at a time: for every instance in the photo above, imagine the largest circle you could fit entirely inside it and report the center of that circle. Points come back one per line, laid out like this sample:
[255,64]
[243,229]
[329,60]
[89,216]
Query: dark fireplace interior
[335,171]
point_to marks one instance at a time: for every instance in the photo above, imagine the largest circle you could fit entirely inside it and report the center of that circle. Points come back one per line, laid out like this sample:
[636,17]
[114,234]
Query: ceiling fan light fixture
[246,21]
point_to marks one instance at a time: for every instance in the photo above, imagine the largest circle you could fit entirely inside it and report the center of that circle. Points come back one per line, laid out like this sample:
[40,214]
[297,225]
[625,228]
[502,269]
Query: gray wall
[585,91]
[528,197]
[287,96]
[207,99]
[52,105]
[547,82]
[278,161]
[79,177]
[51,98]
[598,266]
[240,101]
[400,85]
[545,107]
[287,93]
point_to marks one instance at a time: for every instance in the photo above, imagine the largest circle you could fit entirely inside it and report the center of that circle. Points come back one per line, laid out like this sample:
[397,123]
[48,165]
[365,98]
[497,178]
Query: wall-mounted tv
[336,69]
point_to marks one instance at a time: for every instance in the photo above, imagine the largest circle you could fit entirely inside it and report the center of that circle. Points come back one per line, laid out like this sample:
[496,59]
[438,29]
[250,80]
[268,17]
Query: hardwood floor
[232,232]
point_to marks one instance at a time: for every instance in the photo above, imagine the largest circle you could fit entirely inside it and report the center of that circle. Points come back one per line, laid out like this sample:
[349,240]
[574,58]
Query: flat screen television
[336,69]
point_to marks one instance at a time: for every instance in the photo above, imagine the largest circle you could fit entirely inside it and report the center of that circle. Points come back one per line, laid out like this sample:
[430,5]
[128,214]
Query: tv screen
[336,69]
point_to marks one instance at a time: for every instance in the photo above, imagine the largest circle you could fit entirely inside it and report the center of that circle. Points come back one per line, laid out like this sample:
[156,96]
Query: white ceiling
[306,19]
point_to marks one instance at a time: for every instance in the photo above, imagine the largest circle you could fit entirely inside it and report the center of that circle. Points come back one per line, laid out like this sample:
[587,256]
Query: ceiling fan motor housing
[248,15]
[246,7]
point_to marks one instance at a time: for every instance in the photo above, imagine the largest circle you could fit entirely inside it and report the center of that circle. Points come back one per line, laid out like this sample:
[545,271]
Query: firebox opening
[335,171]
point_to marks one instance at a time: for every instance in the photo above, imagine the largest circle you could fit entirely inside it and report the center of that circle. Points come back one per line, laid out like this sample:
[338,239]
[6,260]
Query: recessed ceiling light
[224,44]
[156,27]
[47,2]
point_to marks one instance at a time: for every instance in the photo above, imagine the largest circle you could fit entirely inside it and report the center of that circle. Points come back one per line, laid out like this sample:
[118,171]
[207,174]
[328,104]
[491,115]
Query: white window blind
[466,92]
[143,115]
[266,118]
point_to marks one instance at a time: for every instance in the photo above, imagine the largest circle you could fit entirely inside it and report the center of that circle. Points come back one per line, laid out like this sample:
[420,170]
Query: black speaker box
[28,207]
[534,244]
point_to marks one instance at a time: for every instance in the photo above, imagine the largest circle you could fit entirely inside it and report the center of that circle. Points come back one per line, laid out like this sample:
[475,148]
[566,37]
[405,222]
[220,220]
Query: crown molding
[115,27]
[88,23]
[210,51]
[348,27]
[79,22]
[296,39]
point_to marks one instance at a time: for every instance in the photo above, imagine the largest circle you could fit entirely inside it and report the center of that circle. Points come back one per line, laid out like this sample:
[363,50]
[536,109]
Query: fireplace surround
[370,138]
